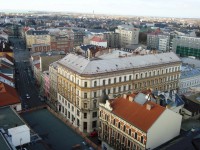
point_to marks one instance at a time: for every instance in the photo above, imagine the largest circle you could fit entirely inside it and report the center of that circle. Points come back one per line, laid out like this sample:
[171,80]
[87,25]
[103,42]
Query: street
[25,83]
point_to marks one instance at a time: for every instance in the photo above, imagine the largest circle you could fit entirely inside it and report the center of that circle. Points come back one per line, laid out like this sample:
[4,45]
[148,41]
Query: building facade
[134,122]
[40,48]
[186,46]
[158,41]
[78,37]
[190,77]
[36,37]
[53,81]
[64,42]
[81,80]
[112,39]
[128,35]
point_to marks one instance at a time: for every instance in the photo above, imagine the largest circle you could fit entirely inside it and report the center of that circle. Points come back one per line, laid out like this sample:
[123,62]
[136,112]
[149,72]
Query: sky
[160,8]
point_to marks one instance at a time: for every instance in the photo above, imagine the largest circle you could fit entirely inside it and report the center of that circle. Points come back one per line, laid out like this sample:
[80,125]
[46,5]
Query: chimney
[130,98]
[149,106]
[124,96]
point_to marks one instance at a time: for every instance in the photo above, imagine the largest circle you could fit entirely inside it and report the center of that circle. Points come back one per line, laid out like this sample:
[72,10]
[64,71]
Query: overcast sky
[163,8]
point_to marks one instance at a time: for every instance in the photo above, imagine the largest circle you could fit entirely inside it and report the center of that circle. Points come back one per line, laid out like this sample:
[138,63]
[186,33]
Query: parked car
[93,134]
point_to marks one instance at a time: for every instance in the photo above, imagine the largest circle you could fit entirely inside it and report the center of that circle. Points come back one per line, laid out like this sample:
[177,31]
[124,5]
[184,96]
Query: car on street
[27,96]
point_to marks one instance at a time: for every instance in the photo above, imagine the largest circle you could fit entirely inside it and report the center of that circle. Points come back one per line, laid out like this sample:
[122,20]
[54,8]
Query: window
[142,139]
[135,136]
[119,125]
[94,114]
[108,91]
[95,83]
[95,94]
[104,82]
[94,124]
[114,122]
[78,112]
[68,105]
[124,88]
[109,81]
[95,104]
[130,77]
[124,78]
[85,105]
[100,113]
[149,73]
[129,132]
[124,129]
[85,95]
[85,84]
[115,80]
[78,122]
[136,77]
[141,75]
[114,90]
[119,89]
[72,108]
[120,79]
[85,115]
[129,87]
[68,114]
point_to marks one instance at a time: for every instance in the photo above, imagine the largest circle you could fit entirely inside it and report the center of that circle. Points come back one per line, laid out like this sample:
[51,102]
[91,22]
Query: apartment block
[128,35]
[81,80]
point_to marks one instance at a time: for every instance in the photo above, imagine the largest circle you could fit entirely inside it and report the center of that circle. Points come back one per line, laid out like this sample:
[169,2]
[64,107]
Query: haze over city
[158,8]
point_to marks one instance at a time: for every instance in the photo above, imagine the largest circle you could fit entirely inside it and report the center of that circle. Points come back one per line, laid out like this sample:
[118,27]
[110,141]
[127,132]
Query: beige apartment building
[128,35]
[81,80]
[36,37]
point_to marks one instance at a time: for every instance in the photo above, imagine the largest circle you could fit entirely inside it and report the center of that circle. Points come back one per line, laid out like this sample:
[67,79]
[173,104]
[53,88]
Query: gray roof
[9,119]
[140,98]
[82,65]
[41,32]
[3,143]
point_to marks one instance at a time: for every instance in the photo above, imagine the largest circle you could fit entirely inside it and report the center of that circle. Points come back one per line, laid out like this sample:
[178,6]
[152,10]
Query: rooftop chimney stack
[149,106]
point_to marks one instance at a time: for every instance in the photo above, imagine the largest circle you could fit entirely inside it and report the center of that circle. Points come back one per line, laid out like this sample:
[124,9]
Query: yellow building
[37,37]
[81,80]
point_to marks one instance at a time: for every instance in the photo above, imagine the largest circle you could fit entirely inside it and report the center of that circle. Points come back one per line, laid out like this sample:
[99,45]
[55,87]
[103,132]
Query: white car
[27,96]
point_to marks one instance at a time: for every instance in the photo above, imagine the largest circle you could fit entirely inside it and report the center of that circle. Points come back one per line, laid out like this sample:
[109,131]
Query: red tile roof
[7,77]
[97,39]
[8,95]
[136,114]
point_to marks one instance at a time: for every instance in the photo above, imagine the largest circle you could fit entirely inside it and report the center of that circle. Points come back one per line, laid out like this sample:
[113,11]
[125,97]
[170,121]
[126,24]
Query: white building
[190,77]
[128,35]
[19,135]
[98,41]
[81,80]
[134,122]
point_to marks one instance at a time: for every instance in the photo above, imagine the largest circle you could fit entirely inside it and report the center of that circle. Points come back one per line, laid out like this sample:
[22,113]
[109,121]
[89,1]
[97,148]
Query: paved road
[24,75]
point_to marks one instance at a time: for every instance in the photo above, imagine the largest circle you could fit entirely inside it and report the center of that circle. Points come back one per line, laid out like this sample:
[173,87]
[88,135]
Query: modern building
[81,80]
[128,35]
[158,41]
[186,46]
[112,39]
[135,122]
